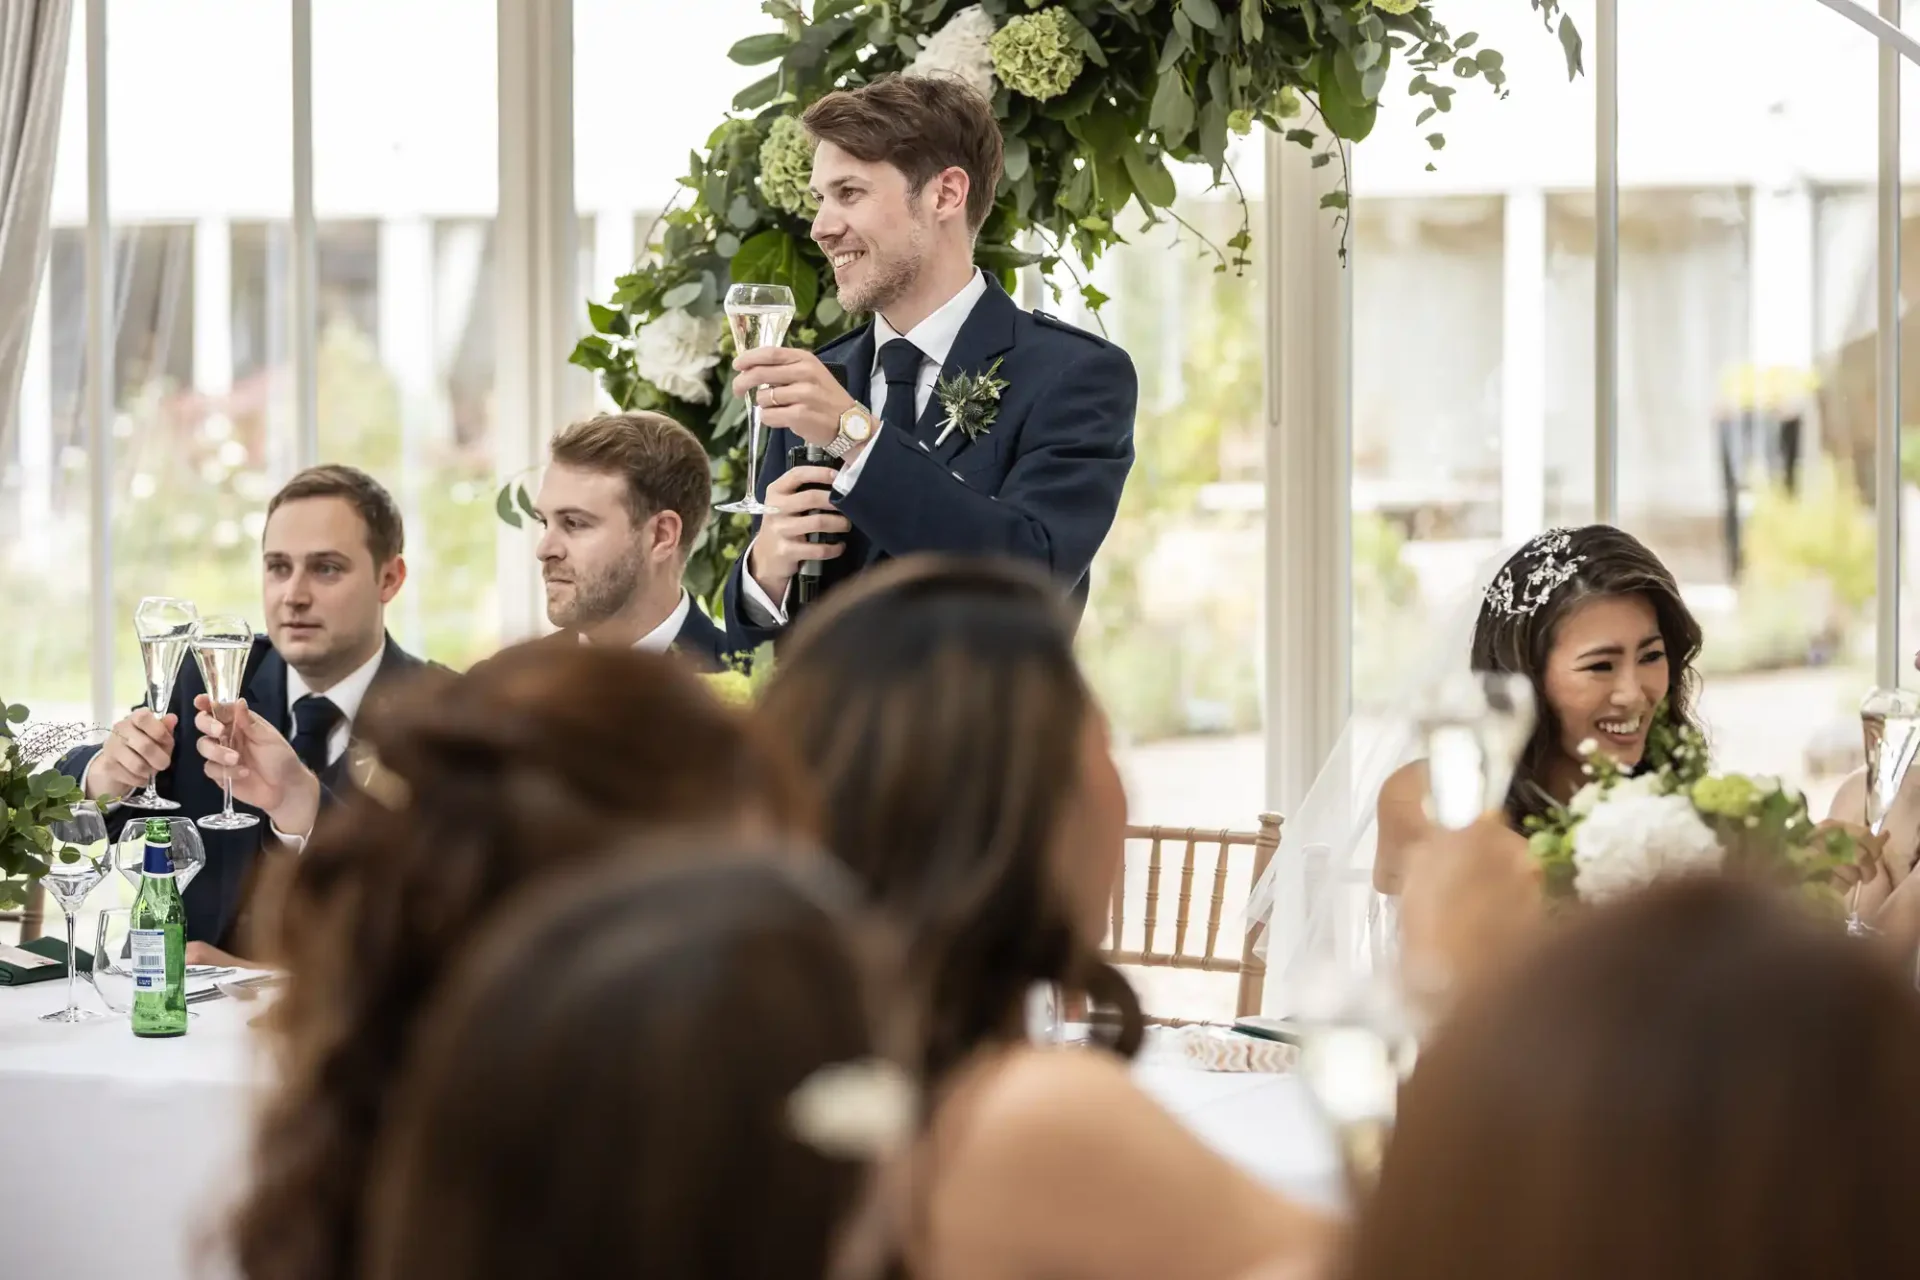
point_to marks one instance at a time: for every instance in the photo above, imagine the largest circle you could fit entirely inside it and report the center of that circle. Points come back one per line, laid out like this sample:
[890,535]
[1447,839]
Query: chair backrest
[1183,845]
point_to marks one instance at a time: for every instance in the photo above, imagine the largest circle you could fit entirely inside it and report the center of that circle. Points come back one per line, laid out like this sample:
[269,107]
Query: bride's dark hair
[1538,587]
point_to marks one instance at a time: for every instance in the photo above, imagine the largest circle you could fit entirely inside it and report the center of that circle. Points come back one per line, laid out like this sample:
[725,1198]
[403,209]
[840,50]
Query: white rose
[676,352]
[1631,840]
[960,49]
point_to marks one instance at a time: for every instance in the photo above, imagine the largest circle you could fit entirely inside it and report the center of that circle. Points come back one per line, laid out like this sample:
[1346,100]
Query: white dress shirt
[661,638]
[347,695]
[935,337]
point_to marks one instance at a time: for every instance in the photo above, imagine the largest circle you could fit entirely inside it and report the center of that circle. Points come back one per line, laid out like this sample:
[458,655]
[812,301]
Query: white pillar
[404,296]
[36,429]
[213,306]
[1523,368]
[283,428]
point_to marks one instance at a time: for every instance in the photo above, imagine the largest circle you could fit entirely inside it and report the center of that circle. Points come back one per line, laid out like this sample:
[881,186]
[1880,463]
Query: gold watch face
[856,425]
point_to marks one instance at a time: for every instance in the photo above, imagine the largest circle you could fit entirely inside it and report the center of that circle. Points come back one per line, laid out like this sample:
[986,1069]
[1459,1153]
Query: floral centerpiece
[1675,816]
[1096,100]
[744,676]
[31,797]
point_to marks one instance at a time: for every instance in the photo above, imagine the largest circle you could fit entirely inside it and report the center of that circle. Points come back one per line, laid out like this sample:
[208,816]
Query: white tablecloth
[90,1112]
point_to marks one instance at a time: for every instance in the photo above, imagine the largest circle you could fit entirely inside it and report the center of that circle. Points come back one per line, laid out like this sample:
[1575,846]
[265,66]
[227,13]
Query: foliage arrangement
[1621,832]
[744,677]
[1095,99]
[30,799]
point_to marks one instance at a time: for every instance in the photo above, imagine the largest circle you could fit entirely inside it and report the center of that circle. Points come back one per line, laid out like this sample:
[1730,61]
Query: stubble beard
[599,596]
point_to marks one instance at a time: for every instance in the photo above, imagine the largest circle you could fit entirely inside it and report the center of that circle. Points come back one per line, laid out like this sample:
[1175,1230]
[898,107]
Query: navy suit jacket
[215,897]
[700,644]
[1041,484]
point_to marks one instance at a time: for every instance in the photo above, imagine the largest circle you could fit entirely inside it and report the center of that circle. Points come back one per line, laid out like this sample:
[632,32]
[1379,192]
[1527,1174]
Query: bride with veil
[1597,625]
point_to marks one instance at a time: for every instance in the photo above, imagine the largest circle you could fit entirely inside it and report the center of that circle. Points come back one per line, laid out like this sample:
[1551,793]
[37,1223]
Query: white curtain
[33,65]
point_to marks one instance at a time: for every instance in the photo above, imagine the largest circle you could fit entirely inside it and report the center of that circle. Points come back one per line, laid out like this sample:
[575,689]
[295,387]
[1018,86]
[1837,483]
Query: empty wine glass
[112,982]
[221,645]
[165,628]
[189,852]
[759,315]
[77,862]
[1475,725]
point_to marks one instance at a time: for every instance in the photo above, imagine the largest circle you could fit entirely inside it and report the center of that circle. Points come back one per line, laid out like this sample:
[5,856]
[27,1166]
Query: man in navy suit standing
[331,561]
[965,424]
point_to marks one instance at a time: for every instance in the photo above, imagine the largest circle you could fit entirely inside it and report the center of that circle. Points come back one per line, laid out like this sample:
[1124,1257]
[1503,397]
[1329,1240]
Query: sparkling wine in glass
[1474,725]
[76,864]
[221,645]
[1356,1046]
[1890,730]
[759,315]
[165,628]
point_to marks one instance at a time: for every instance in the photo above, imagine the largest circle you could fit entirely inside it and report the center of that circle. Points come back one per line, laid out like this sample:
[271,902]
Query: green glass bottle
[159,939]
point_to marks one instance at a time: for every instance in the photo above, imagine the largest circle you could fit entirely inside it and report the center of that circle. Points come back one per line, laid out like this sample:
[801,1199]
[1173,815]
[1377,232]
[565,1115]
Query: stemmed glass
[759,315]
[1890,728]
[221,646]
[1474,725]
[189,853]
[77,862]
[165,628]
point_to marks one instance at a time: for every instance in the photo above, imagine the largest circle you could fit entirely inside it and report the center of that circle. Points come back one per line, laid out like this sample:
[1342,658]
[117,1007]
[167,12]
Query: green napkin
[21,965]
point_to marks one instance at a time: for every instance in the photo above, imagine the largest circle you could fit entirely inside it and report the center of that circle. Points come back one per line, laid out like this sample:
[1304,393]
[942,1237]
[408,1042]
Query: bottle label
[149,959]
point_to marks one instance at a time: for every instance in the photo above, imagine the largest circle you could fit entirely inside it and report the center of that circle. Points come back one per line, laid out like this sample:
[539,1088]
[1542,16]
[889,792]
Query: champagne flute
[77,862]
[221,645]
[1890,729]
[759,315]
[1475,725]
[165,628]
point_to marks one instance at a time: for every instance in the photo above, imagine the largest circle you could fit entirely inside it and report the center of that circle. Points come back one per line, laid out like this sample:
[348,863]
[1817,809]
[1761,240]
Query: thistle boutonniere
[972,401]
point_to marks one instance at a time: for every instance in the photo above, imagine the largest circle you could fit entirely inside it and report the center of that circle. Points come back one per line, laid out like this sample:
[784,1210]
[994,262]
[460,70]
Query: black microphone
[812,580]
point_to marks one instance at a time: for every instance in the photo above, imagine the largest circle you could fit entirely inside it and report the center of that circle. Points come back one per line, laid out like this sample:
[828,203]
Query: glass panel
[44,468]
[1472,280]
[202,429]
[405,191]
[1746,362]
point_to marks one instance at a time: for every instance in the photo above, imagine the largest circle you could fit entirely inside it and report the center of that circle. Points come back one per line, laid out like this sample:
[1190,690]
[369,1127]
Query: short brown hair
[386,537]
[665,466]
[921,125]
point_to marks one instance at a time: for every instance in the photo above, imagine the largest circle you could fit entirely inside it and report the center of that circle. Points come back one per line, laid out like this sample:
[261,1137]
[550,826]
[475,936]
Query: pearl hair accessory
[1552,567]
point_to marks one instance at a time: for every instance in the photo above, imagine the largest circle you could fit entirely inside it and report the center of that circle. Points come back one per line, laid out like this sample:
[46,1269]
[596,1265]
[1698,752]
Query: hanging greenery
[1095,98]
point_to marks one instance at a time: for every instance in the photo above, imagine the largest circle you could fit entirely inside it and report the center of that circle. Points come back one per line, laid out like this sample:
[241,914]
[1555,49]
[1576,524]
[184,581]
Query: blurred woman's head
[966,777]
[543,757]
[1702,1081]
[616,1082]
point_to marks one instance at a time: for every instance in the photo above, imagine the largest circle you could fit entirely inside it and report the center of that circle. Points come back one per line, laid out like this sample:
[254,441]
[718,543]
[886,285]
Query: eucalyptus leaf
[754,50]
[740,213]
[1172,112]
[503,506]
[1204,14]
[1570,45]
[726,244]
[1151,181]
[759,93]
[1014,158]
[680,295]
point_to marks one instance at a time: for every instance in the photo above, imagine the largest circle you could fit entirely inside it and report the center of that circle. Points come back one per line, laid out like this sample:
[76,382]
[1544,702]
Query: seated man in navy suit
[331,561]
[1029,462]
[621,505]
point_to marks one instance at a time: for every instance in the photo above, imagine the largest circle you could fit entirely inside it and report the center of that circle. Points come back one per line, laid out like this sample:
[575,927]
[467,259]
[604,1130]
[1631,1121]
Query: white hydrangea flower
[1584,799]
[1631,840]
[676,352]
[960,49]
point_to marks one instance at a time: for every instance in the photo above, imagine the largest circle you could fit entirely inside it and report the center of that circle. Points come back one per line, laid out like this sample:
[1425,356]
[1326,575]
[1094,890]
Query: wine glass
[1475,725]
[189,852]
[759,315]
[76,863]
[165,628]
[109,939]
[1890,729]
[221,645]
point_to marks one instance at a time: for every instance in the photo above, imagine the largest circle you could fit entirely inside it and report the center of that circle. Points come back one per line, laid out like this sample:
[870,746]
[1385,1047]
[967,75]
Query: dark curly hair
[540,758]
[939,705]
[1535,592]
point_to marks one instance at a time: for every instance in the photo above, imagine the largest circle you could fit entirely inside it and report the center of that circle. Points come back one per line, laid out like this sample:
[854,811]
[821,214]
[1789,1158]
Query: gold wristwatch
[856,428]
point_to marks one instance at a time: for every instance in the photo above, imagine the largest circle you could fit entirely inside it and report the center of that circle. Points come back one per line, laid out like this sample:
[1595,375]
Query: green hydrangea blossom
[1396,6]
[1034,54]
[1732,795]
[786,167]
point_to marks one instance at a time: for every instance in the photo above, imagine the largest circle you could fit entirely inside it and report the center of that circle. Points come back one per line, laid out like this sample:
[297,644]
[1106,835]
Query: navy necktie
[900,361]
[313,719]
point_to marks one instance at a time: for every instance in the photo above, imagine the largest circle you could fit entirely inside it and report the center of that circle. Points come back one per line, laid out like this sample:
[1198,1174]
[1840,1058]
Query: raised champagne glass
[165,628]
[759,315]
[1890,731]
[221,646]
[77,862]
[1474,726]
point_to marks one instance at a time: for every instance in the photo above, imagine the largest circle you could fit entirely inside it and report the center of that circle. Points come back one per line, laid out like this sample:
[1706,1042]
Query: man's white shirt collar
[936,334]
[661,638]
[346,695]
